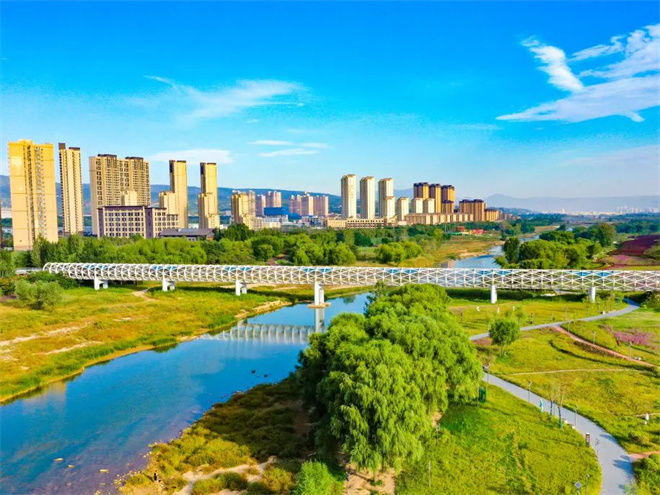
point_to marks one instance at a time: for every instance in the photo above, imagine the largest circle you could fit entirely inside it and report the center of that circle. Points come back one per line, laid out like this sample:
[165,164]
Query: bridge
[320,276]
[272,333]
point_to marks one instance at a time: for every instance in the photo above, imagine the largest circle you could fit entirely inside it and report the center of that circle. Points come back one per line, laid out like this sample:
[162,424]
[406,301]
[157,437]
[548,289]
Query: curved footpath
[615,463]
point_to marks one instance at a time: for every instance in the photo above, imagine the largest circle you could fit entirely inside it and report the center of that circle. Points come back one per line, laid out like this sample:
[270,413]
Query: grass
[92,326]
[267,420]
[613,392]
[458,247]
[502,446]
[537,309]
[643,322]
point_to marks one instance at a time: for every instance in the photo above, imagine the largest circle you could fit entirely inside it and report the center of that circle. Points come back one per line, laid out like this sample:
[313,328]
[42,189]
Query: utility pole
[529,391]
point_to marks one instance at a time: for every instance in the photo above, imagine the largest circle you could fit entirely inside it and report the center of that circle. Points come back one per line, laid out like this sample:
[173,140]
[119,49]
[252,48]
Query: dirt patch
[264,308]
[363,483]
[70,348]
[18,340]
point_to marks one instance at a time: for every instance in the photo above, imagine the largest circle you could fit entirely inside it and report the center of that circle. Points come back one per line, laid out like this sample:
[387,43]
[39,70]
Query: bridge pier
[493,294]
[319,296]
[100,284]
[319,319]
[168,285]
[241,287]
[592,294]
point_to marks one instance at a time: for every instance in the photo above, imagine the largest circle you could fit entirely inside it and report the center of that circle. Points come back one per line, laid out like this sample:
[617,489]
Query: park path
[615,463]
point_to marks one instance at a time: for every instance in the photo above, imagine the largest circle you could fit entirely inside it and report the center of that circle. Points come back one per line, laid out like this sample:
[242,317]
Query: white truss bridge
[320,276]
[272,333]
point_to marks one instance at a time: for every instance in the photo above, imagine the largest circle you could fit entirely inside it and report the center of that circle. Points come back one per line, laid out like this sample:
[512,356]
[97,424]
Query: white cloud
[314,145]
[623,88]
[626,159]
[197,104]
[554,64]
[221,157]
[270,142]
[289,152]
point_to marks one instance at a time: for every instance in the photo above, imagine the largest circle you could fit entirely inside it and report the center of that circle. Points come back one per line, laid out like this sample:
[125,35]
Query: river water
[106,417]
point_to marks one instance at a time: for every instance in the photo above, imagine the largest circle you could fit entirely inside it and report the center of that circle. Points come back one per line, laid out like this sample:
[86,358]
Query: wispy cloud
[199,104]
[221,157]
[623,88]
[289,152]
[646,157]
[270,142]
[314,145]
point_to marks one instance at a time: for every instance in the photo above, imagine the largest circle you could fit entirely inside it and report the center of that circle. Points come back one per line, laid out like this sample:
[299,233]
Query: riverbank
[40,347]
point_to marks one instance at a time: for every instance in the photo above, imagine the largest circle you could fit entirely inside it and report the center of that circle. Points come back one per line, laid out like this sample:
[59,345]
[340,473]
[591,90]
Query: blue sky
[520,98]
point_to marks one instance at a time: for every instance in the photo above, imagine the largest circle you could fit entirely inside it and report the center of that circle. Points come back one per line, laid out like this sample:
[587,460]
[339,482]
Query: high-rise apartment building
[446,207]
[386,199]
[476,208]
[261,203]
[179,186]
[294,205]
[418,205]
[435,193]
[306,205]
[110,177]
[240,207]
[402,208]
[429,205]
[274,199]
[448,193]
[421,190]
[368,198]
[349,196]
[492,215]
[252,204]
[71,183]
[33,198]
[321,206]
[207,201]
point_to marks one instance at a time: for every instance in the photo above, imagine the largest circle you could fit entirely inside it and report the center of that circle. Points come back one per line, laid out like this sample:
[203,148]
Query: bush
[652,301]
[64,282]
[40,295]
[315,478]
[278,480]
[225,481]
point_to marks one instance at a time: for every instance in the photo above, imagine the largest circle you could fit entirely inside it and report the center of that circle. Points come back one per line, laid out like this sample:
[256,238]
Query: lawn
[502,446]
[474,311]
[611,391]
[39,346]
[642,327]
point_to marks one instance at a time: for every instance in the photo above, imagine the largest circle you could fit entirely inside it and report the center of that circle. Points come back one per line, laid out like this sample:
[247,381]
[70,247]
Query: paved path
[615,463]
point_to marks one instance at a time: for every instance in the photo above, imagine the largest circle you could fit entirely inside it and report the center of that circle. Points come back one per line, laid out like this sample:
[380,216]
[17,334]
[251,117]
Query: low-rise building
[201,234]
[126,221]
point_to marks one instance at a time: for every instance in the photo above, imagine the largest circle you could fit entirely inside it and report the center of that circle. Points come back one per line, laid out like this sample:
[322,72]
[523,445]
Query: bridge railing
[502,278]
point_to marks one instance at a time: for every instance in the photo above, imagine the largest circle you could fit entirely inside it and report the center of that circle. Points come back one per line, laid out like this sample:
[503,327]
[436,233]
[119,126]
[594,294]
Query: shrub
[64,282]
[277,480]
[315,478]
[40,295]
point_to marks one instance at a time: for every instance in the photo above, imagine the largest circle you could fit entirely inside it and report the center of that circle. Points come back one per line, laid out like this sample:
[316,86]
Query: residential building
[437,218]
[418,205]
[179,186]
[428,205]
[33,197]
[368,198]
[252,204]
[200,234]
[321,206]
[126,221]
[71,184]
[129,198]
[207,200]
[402,208]
[492,215]
[273,199]
[349,196]
[111,176]
[295,205]
[447,207]
[260,204]
[306,205]
[355,223]
[448,193]
[421,190]
[240,207]
[386,199]
[475,207]
[435,193]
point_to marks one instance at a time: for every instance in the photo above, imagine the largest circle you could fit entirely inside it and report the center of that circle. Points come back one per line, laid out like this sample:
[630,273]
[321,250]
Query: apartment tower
[421,190]
[321,206]
[349,196]
[402,208]
[274,199]
[71,181]
[368,198]
[179,186]
[33,197]
[110,177]
[207,201]
[239,207]
[386,199]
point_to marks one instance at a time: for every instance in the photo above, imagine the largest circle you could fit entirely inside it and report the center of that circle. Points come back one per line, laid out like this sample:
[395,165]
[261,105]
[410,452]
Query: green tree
[237,232]
[40,295]
[314,478]
[511,249]
[605,234]
[7,267]
[504,331]
[341,255]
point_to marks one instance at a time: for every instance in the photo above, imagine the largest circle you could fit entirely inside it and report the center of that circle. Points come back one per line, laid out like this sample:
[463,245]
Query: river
[106,417]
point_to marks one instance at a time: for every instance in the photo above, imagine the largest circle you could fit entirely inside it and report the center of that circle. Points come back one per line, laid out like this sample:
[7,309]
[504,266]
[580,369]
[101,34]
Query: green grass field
[502,446]
[644,322]
[613,392]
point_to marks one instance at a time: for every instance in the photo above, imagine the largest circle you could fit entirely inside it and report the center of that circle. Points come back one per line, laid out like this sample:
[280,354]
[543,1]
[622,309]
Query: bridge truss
[516,279]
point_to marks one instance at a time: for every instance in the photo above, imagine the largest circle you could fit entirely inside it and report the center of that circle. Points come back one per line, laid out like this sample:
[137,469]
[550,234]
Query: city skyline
[551,119]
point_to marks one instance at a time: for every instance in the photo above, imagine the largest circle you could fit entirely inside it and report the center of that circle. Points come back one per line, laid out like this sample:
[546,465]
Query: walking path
[615,463]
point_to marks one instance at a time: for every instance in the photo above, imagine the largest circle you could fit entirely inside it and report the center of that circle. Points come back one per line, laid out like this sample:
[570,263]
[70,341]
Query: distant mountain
[224,195]
[575,205]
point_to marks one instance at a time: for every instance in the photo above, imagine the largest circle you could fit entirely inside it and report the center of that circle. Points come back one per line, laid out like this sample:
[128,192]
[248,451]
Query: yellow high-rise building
[207,201]
[368,198]
[71,181]
[386,199]
[33,197]
[110,178]
[349,196]
[402,208]
[240,207]
[179,186]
